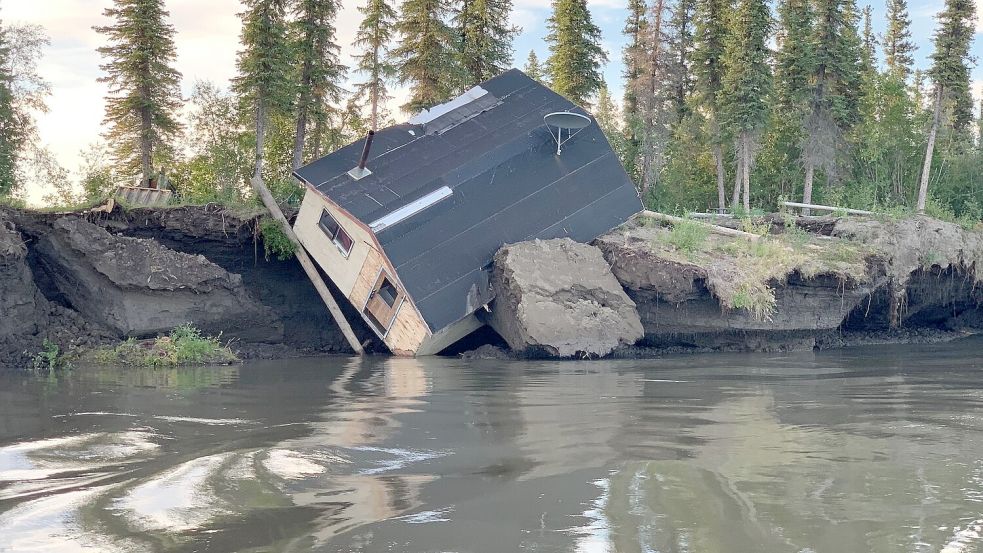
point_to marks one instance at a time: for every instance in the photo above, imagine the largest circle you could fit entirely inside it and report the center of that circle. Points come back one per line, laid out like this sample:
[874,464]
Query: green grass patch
[50,358]
[688,237]
[185,345]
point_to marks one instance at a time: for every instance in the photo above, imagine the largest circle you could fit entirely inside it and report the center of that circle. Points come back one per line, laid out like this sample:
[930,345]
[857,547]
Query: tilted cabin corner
[410,241]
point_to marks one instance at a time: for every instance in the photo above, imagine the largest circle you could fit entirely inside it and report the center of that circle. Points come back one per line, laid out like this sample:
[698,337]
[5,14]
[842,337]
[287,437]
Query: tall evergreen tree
[11,135]
[607,116]
[711,31]
[868,55]
[681,32]
[655,102]
[318,67]
[898,48]
[950,75]
[144,87]
[426,54]
[979,128]
[795,59]
[746,82]
[264,80]
[836,95]
[635,59]
[576,56]
[533,68]
[375,33]
[484,36]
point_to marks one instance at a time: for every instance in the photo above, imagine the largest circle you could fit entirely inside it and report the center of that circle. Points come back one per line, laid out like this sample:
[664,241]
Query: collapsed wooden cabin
[409,236]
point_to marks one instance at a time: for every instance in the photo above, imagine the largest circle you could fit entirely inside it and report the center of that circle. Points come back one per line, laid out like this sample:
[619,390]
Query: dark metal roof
[508,184]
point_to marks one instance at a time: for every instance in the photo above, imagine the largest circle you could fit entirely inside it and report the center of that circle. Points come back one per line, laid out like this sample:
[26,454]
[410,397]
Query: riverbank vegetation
[727,105]
[744,273]
[185,345]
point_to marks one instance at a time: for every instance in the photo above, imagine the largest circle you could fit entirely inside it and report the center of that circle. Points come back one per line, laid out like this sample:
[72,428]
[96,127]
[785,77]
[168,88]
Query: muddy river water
[875,449]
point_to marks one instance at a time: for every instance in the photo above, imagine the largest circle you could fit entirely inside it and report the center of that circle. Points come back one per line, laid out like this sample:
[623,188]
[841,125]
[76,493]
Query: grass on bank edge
[184,346]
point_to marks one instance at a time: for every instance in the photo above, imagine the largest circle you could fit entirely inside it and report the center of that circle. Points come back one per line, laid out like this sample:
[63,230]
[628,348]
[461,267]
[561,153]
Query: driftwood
[716,229]
[827,208]
[308,265]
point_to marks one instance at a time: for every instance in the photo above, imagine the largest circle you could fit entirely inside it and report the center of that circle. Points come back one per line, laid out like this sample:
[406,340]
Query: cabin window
[337,234]
[388,292]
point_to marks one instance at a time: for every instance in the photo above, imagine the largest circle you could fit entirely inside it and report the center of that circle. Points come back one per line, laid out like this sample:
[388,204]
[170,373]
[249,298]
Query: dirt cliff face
[82,279]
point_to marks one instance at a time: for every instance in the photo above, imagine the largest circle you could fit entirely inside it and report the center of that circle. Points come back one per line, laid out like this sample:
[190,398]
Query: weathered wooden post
[307,264]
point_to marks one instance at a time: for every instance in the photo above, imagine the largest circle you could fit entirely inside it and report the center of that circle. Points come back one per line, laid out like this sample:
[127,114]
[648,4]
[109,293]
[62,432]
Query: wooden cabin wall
[408,330]
[342,271]
[356,275]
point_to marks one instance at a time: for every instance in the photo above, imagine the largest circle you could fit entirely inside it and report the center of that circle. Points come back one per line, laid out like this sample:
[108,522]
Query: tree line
[726,105]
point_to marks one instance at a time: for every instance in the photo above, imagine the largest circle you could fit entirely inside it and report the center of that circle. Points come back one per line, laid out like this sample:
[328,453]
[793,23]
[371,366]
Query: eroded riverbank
[856,450]
[87,279]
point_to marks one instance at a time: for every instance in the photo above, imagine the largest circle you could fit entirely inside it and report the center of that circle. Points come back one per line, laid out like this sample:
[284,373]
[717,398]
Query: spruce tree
[317,65]
[635,58]
[681,32]
[795,60]
[375,33]
[425,54]
[533,68]
[11,137]
[868,56]
[265,73]
[950,75]
[655,101]
[144,88]
[576,56]
[898,48]
[711,31]
[979,129]
[836,95]
[484,39]
[746,82]
[607,116]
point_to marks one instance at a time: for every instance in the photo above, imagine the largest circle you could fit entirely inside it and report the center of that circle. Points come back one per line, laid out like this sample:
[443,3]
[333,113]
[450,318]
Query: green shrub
[275,241]
[688,236]
[185,345]
[50,358]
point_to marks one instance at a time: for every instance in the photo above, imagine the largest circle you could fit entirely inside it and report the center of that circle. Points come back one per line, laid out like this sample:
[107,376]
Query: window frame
[334,236]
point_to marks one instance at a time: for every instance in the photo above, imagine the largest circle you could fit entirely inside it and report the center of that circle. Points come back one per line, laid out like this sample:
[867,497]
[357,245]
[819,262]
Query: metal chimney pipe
[365,151]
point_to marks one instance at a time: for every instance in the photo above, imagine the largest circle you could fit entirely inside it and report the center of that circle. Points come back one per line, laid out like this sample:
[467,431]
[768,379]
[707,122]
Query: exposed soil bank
[81,280]
[86,279]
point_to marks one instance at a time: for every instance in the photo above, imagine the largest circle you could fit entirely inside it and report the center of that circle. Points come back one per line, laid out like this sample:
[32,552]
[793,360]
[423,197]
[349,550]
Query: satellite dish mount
[568,121]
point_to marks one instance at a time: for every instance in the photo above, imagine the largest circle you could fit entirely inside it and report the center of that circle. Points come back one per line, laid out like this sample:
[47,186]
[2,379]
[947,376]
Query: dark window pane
[388,292]
[344,241]
[328,225]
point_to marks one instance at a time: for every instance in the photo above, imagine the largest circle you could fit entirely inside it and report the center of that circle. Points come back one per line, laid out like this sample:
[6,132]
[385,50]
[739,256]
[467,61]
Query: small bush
[275,241]
[185,345]
[49,359]
[688,236]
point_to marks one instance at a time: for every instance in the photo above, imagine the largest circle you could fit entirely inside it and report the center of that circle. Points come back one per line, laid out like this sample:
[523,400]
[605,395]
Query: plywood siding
[408,330]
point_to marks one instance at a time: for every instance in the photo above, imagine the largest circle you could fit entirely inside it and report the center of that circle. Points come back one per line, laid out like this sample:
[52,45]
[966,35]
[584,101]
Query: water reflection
[866,450]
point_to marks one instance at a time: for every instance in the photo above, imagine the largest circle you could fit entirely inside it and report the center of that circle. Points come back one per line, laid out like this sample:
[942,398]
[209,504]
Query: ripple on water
[43,459]
[178,500]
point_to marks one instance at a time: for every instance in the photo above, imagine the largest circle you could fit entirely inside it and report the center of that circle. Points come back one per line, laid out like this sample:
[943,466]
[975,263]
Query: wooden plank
[828,208]
[307,264]
[716,229]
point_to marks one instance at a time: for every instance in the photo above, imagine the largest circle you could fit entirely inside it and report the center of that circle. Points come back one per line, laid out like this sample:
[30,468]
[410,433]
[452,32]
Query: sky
[208,37]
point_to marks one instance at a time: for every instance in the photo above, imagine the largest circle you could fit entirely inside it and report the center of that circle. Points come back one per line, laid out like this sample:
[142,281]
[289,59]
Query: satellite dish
[565,120]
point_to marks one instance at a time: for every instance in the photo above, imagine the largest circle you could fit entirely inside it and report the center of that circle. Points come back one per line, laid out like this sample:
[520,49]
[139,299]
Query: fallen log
[846,210]
[308,265]
[716,229]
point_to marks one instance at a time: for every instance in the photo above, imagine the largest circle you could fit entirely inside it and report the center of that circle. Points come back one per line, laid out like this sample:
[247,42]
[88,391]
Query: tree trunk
[807,188]
[146,144]
[318,132]
[307,264]
[260,137]
[718,157]
[299,137]
[930,150]
[374,119]
[746,168]
[738,172]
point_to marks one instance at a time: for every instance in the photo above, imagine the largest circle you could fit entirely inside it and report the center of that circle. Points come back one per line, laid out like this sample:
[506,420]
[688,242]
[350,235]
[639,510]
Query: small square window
[333,230]
[388,292]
